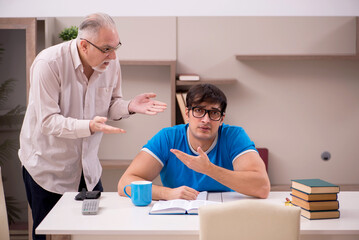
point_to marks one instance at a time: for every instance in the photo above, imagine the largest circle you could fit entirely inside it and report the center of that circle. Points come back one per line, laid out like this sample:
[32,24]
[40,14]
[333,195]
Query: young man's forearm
[158,192]
[250,183]
[126,180]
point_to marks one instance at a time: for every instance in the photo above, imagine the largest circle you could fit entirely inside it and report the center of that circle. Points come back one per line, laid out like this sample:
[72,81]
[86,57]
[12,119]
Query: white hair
[92,24]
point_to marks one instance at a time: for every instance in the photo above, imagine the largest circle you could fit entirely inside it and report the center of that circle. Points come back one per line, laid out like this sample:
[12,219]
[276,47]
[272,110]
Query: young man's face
[204,129]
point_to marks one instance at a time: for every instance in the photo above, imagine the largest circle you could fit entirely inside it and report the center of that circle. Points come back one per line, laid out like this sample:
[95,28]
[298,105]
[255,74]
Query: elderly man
[75,88]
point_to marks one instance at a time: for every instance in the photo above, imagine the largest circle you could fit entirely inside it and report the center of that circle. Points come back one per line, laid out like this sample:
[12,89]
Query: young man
[75,88]
[203,155]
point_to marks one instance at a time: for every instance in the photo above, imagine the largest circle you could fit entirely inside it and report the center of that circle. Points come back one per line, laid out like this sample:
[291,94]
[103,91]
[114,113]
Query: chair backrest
[252,219]
[263,152]
[4,227]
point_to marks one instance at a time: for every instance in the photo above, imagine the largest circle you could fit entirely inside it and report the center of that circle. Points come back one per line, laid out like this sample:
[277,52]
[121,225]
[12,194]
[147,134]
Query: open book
[181,206]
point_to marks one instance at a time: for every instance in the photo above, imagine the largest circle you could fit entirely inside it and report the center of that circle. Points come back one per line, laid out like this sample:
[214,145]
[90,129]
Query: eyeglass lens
[105,50]
[214,115]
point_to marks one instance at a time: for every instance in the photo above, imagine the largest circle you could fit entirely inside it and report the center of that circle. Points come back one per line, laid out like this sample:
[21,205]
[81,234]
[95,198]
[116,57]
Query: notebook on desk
[181,206]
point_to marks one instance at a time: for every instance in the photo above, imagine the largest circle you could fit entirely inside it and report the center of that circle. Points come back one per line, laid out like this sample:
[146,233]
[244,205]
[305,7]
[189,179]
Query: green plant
[9,146]
[69,33]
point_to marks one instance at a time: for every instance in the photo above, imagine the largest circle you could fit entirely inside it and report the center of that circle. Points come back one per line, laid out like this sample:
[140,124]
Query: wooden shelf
[354,56]
[185,85]
[175,85]
[296,57]
[211,81]
[168,63]
[148,62]
[115,164]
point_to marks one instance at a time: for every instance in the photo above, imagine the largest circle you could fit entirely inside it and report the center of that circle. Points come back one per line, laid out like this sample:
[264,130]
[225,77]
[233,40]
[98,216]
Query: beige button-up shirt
[55,140]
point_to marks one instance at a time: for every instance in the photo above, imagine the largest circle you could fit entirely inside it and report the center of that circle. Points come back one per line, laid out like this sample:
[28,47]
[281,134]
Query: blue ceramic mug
[141,192]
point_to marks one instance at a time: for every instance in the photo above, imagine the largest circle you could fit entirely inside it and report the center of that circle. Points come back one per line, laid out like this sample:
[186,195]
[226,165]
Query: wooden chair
[263,153]
[252,219]
[4,226]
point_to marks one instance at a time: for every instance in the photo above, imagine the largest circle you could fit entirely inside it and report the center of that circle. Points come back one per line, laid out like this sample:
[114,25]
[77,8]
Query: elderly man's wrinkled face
[102,50]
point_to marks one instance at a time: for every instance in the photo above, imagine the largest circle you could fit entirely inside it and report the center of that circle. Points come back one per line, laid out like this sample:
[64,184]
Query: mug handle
[124,190]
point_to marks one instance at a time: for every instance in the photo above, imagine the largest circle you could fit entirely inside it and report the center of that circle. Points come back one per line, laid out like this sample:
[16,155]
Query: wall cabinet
[135,74]
[175,85]
[354,56]
[185,85]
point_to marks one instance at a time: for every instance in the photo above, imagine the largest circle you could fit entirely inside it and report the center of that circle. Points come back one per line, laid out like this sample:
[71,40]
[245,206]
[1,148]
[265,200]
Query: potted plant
[69,33]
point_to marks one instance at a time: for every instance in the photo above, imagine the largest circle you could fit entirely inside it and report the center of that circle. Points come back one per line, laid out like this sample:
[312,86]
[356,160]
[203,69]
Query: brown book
[315,206]
[320,214]
[315,196]
[182,106]
[184,95]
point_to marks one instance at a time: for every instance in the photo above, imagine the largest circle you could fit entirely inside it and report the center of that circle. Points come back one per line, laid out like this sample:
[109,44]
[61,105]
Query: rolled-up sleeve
[45,87]
[118,107]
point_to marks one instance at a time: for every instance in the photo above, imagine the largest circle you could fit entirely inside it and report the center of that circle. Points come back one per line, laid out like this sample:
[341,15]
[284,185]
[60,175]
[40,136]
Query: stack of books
[317,198]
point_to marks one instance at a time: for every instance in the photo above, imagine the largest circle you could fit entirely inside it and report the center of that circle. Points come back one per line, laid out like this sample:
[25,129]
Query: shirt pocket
[103,100]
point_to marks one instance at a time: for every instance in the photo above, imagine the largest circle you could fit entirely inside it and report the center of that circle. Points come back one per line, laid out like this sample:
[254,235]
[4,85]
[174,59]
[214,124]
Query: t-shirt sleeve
[158,146]
[239,142]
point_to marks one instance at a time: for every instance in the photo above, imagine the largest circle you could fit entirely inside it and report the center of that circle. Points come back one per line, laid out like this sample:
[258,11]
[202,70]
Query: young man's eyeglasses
[105,49]
[214,115]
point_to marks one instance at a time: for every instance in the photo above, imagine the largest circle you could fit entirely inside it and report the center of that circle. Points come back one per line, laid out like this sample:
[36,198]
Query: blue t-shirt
[231,142]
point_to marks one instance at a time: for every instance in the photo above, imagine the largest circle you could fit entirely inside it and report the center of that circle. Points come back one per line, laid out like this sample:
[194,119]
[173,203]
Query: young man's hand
[198,163]
[182,192]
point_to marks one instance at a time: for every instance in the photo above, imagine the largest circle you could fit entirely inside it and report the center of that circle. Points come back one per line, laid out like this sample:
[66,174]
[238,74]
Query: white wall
[70,8]
[140,128]
[297,109]
[143,38]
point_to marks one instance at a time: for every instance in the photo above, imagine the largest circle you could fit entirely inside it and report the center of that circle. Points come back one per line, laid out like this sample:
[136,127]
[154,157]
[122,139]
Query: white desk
[119,219]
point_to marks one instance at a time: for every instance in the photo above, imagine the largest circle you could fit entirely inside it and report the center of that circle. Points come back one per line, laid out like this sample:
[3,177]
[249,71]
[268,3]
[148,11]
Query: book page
[193,206]
[170,206]
[196,204]
[202,195]
[214,197]
[181,205]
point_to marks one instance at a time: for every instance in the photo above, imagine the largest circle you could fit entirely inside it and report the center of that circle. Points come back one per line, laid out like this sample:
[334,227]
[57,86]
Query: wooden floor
[18,231]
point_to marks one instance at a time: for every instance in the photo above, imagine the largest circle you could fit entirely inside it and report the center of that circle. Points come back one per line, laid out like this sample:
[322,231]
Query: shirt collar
[209,149]
[75,55]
